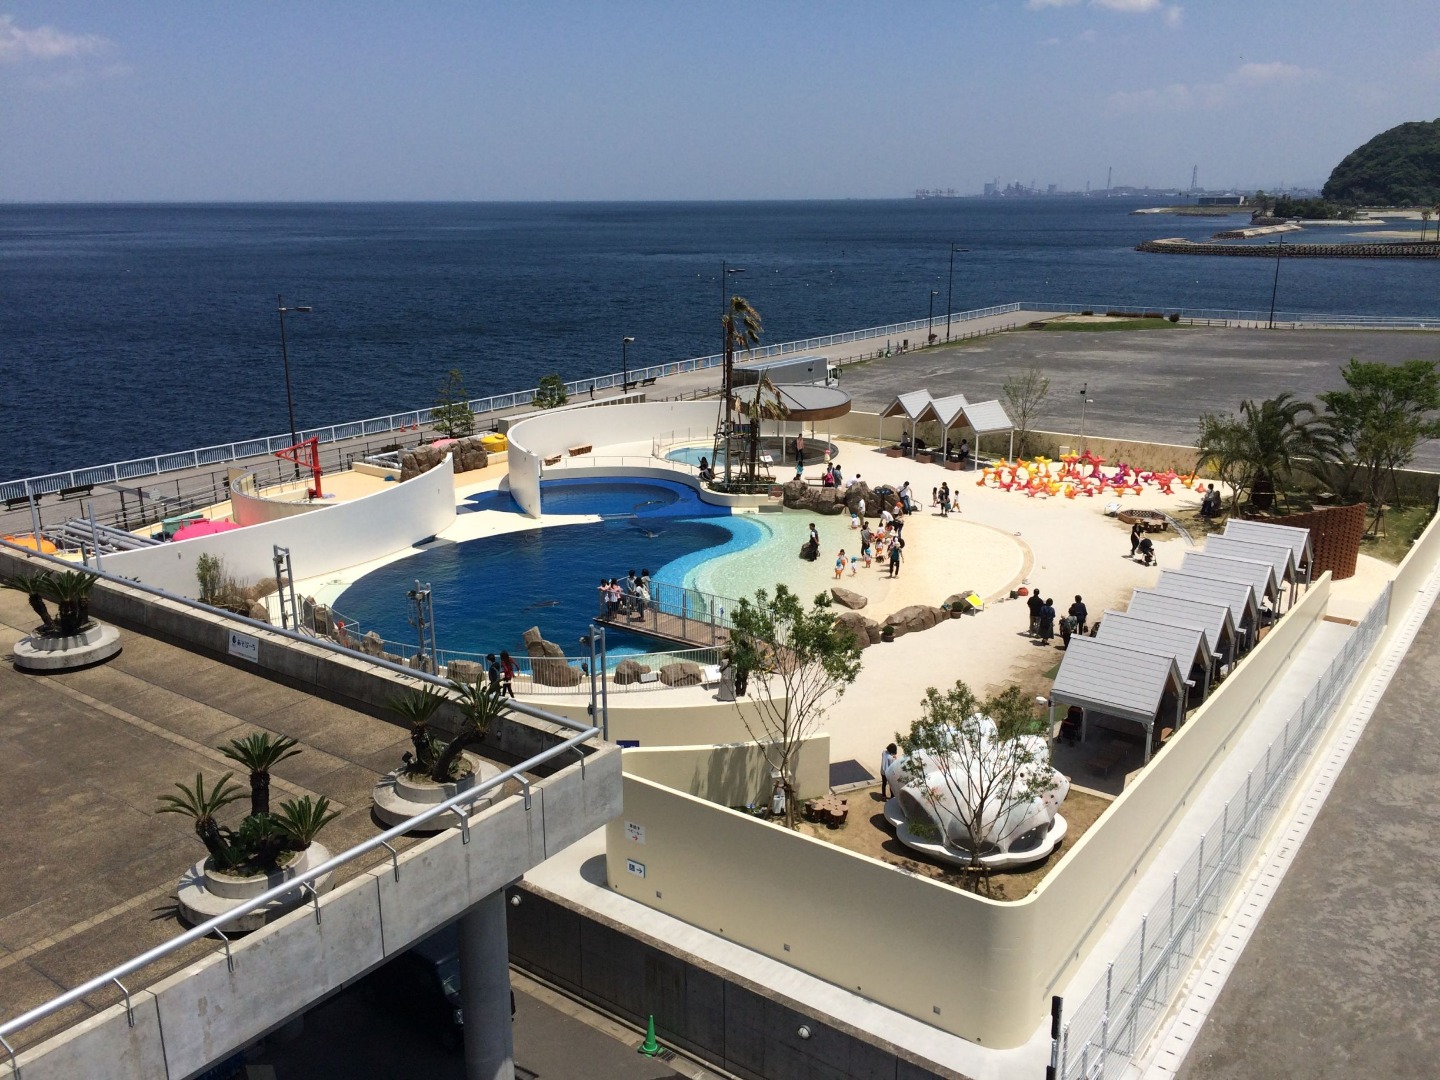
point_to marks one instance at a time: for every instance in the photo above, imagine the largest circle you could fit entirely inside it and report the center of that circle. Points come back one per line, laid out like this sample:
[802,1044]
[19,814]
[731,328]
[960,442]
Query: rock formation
[548,666]
[470,453]
[847,598]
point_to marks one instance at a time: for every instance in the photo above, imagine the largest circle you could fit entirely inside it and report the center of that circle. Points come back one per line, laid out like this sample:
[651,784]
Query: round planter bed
[205,893]
[399,796]
[91,644]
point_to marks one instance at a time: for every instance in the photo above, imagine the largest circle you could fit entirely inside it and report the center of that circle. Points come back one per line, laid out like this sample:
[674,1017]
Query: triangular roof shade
[1214,620]
[909,405]
[1265,532]
[1116,681]
[1185,644]
[945,409]
[1280,556]
[1240,599]
[987,417]
[1260,576]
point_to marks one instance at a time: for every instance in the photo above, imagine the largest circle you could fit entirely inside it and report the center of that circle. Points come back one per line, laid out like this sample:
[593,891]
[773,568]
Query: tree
[1385,410]
[1425,216]
[480,707]
[766,405]
[1267,442]
[550,393]
[741,327]
[417,708]
[977,767]
[201,805]
[799,661]
[451,413]
[32,584]
[1025,395]
[259,753]
[1222,451]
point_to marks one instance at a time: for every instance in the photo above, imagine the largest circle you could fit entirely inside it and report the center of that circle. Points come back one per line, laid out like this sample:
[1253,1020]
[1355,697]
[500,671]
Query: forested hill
[1399,167]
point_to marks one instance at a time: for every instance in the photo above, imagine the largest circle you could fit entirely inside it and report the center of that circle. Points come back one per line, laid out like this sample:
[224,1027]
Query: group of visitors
[1141,546]
[706,472]
[501,673]
[1210,503]
[630,596]
[1043,615]
[832,477]
[943,500]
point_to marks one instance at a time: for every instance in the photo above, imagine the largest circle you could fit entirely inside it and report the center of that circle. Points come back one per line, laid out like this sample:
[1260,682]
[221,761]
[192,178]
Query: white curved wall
[254,509]
[546,434]
[328,539]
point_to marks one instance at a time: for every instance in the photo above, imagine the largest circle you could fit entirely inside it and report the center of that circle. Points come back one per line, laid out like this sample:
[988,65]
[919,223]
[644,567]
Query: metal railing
[1226,316]
[1106,1028]
[463,803]
[415,419]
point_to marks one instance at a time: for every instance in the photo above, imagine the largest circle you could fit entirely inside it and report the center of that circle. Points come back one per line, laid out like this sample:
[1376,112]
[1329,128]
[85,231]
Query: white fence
[1104,1030]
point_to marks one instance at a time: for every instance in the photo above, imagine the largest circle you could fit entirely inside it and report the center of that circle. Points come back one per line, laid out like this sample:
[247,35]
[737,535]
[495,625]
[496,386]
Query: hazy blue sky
[159,100]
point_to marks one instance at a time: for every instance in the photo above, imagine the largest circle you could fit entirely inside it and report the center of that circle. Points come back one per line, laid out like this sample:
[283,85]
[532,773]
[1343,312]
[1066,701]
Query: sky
[544,100]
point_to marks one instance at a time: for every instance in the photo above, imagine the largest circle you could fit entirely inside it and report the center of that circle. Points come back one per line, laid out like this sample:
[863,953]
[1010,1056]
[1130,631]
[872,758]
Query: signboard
[245,647]
[634,832]
[636,868]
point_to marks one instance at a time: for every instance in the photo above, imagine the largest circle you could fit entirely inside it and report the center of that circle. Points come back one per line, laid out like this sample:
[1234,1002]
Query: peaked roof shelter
[1187,645]
[1258,575]
[989,418]
[1213,620]
[1239,598]
[1265,532]
[1280,556]
[909,406]
[1122,683]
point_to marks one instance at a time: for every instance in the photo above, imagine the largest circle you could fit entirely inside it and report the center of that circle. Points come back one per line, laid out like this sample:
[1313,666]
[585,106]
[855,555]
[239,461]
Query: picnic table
[831,810]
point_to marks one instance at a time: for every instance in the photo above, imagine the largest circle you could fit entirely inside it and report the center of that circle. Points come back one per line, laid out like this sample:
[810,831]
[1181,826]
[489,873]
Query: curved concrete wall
[248,509]
[546,434]
[329,539]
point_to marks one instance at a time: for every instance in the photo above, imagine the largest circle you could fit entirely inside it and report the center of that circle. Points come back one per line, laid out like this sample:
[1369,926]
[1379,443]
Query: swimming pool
[488,592]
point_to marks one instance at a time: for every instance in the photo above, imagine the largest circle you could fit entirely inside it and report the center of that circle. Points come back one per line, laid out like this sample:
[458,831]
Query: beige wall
[990,967]
[653,724]
[735,774]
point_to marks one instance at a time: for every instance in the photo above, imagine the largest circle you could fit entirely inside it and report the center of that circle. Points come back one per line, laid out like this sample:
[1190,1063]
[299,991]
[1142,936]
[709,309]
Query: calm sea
[132,330]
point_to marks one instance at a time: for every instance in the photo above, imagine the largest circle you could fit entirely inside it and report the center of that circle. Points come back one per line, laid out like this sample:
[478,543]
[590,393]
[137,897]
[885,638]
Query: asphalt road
[1150,384]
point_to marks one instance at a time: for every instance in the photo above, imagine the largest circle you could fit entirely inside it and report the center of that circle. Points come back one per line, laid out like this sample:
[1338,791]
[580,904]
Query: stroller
[1146,551]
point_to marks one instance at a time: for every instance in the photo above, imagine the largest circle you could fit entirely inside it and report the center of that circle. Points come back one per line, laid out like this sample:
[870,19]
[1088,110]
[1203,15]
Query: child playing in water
[840,563]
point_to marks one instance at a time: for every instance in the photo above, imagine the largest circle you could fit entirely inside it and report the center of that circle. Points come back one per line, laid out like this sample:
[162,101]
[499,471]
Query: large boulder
[861,490]
[470,453]
[799,495]
[848,598]
[863,630]
[958,604]
[681,673]
[464,671]
[547,661]
[372,644]
[630,671]
[909,620]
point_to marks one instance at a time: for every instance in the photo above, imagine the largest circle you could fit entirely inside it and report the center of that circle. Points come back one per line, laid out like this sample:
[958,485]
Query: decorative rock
[465,671]
[548,666]
[847,598]
[469,453]
[630,671]
[259,612]
[862,630]
[372,644]
[855,492]
[916,617]
[680,673]
[818,500]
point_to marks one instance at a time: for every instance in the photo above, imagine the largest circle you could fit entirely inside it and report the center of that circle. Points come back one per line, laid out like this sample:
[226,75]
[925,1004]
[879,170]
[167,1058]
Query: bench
[79,491]
[1105,759]
[553,459]
[648,382]
[19,501]
[579,451]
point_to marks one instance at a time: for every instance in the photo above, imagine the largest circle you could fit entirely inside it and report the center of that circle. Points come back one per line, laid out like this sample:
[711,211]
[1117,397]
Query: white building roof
[1263,532]
[1187,645]
[987,417]
[946,409]
[1259,575]
[1279,556]
[1120,682]
[909,405]
[1240,599]
[1213,620]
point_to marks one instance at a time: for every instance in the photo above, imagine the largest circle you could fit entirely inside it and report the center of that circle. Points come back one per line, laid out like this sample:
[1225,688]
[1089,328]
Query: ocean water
[133,330]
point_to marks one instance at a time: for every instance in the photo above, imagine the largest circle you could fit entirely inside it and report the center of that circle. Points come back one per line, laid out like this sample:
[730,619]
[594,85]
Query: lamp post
[1084,400]
[930,320]
[625,344]
[285,358]
[950,289]
[1279,246]
[725,272]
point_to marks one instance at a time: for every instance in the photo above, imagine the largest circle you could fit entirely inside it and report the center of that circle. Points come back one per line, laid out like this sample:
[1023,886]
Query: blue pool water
[488,592]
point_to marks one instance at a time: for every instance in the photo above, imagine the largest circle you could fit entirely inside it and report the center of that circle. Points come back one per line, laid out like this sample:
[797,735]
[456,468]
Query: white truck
[790,371]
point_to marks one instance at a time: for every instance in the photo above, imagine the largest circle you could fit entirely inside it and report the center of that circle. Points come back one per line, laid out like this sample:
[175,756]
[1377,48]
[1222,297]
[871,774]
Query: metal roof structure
[1187,645]
[945,410]
[1264,532]
[1119,682]
[1258,575]
[1280,556]
[1239,598]
[987,417]
[909,405]
[803,402]
[1213,620]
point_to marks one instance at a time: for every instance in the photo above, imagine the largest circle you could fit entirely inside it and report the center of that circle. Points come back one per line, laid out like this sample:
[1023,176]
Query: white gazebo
[909,407]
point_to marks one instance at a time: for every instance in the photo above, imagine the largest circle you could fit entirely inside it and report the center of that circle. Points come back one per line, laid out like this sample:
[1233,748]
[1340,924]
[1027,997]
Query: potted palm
[72,639]
[436,770]
[265,850]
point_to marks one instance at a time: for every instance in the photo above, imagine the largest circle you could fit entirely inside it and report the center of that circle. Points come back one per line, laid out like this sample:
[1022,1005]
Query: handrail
[205,929]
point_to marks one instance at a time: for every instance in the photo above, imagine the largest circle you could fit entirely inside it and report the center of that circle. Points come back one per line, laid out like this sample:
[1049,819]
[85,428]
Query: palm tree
[417,708]
[1266,442]
[1425,224]
[481,706]
[33,586]
[260,753]
[301,820]
[201,805]
[742,329]
[71,593]
[765,406]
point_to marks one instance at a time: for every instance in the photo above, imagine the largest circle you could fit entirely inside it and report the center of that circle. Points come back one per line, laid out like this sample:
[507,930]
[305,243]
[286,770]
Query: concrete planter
[205,893]
[399,797]
[894,451]
[92,644]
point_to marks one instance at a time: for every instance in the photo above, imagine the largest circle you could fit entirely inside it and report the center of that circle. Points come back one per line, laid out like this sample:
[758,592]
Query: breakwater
[1404,249]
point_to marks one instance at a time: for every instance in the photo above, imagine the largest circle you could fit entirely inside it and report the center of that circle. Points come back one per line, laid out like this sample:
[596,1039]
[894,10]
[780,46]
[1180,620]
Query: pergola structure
[1120,683]
[908,406]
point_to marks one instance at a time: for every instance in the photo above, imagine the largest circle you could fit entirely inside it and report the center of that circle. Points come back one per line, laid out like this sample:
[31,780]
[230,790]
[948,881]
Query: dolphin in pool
[540,604]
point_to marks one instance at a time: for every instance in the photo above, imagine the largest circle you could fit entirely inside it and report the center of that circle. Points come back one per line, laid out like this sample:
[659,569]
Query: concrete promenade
[1338,979]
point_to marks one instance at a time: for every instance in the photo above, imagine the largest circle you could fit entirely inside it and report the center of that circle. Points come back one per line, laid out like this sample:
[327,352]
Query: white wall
[322,542]
[546,434]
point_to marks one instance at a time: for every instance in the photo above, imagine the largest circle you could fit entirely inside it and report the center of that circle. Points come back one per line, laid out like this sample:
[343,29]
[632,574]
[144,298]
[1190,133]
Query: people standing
[1035,604]
[799,453]
[1081,614]
[492,671]
[887,758]
[840,562]
[1134,538]
[895,549]
[1047,620]
[507,673]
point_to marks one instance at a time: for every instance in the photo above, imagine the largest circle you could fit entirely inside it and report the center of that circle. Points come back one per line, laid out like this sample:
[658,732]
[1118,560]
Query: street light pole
[1084,400]
[725,272]
[285,359]
[1275,287]
[625,344]
[950,289]
[930,321]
